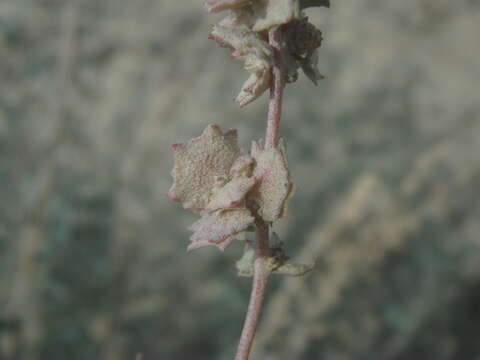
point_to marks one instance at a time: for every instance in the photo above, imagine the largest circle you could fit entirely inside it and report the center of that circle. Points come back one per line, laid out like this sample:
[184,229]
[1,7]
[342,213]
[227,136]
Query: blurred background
[384,153]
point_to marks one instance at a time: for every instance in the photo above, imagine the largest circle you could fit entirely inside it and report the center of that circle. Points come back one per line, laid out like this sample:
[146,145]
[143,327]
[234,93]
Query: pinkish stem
[262,251]
[276,90]
[259,285]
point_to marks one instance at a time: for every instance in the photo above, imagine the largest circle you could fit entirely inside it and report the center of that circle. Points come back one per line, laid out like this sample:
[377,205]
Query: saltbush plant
[239,193]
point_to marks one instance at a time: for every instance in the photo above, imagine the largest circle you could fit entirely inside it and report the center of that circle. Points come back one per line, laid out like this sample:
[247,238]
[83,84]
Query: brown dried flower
[302,41]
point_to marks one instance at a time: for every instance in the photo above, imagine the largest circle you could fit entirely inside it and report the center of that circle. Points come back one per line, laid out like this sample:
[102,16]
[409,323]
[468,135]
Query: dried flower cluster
[245,31]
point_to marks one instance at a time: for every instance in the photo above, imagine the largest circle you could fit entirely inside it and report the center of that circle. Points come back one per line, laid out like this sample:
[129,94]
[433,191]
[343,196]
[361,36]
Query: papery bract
[274,186]
[246,45]
[213,177]
[199,164]
[231,195]
[219,228]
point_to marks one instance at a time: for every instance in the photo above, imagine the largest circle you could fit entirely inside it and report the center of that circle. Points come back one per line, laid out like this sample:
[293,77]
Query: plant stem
[276,89]
[262,250]
[259,285]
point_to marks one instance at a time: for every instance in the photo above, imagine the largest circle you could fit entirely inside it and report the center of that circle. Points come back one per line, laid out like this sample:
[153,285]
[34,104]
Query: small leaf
[199,164]
[257,83]
[219,228]
[291,269]
[246,263]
